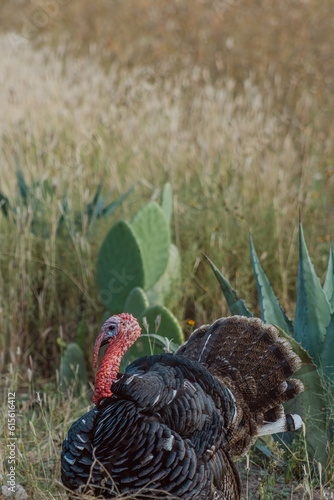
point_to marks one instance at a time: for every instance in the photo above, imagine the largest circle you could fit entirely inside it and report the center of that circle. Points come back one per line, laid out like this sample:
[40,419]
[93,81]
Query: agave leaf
[23,187]
[271,311]
[310,404]
[312,310]
[4,204]
[98,208]
[97,194]
[114,205]
[152,232]
[328,287]
[236,305]
[91,207]
[63,209]
[137,302]
[119,266]
[167,202]
[297,348]
[327,355]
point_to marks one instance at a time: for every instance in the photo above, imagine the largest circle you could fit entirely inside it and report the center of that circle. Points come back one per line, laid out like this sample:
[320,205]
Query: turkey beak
[103,338]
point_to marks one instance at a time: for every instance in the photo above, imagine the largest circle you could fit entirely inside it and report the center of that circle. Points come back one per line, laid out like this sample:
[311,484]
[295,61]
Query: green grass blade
[164,342]
[168,326]
[328,287]
[271,311]
[312,310]
[160,321]
[236,305]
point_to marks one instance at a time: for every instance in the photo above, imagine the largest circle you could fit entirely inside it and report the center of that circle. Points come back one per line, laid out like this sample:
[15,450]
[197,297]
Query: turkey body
[174,421]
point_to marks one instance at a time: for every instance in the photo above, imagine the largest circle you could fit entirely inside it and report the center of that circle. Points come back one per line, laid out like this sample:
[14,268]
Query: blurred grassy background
[231,101]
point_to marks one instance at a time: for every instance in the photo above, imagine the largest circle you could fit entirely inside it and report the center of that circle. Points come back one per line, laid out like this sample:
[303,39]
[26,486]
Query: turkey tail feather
[254,362]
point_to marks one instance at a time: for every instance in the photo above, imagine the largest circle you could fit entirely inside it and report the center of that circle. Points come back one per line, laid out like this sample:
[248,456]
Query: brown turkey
[173,422]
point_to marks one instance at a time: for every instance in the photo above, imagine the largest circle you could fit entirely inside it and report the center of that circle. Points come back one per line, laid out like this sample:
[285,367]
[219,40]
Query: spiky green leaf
[152,232]
[4,204]
[23,186]
[328,287]
[136,302]
[63,209]
[108,210]
[271,311]
[92,207]
[119,266]
[327,355]
[236,305]
[312,310]
[310,404]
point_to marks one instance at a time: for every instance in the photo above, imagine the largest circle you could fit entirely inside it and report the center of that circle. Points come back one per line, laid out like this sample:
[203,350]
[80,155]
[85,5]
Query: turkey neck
[107,373]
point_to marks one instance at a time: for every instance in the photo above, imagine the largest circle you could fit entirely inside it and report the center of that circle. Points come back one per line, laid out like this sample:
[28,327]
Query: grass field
[230,101]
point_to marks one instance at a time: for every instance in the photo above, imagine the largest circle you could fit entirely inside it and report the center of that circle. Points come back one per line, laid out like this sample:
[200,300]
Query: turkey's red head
[118,333]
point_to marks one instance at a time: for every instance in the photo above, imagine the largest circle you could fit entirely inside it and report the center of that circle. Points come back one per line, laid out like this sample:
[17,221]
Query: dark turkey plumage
[174,421]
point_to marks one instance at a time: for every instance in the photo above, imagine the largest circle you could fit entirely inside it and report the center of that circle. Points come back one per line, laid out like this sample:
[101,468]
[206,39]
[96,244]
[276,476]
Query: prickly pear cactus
[119,266]
[138,270]
[152,233]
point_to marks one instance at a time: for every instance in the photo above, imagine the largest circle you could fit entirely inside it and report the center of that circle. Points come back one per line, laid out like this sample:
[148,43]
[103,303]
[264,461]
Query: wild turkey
[172,422]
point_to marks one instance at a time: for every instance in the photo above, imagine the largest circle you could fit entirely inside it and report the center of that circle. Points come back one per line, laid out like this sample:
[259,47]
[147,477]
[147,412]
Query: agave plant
[41,192]
[311,335]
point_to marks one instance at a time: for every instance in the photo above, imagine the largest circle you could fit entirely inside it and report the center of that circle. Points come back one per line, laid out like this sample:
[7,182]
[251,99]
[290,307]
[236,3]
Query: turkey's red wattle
[128,330]
[107,373]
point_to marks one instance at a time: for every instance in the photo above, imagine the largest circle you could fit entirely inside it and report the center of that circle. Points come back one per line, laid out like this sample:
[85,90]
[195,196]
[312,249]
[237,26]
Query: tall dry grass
[235,162]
